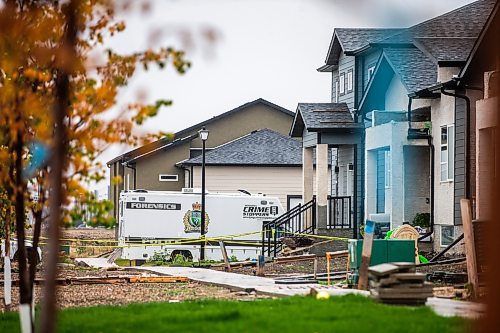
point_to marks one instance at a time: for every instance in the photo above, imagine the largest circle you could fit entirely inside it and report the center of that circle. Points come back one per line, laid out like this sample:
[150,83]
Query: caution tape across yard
[181,241]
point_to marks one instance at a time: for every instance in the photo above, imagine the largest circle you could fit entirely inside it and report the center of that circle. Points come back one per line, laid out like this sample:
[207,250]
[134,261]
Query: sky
[242,50]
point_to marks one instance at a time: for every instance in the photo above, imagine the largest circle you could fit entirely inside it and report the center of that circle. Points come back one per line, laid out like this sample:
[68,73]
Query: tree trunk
[25,294]
[57,166]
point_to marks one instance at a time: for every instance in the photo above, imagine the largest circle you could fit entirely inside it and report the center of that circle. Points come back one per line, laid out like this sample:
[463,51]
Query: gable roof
[410,65]
[466,21]
[318,117]
[350,39]
[490,23]
[260,148]
[413,67]
[189,133]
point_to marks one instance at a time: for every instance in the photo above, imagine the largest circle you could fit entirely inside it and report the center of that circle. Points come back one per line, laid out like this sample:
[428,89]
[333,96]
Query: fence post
[275,238]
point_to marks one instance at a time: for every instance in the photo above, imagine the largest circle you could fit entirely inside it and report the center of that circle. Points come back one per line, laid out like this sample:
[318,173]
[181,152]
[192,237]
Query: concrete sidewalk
[235,281]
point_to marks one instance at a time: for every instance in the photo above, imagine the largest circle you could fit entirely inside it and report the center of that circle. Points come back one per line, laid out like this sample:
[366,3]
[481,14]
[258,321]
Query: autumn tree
[57,93]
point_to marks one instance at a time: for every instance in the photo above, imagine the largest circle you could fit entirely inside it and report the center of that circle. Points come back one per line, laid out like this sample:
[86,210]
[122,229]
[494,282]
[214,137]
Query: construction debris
[398,283]
[109,280]
[447,277]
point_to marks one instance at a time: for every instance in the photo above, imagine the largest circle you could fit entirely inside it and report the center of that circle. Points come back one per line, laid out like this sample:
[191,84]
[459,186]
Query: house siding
[346,63]
[223,130]
[271,181]
[460,111]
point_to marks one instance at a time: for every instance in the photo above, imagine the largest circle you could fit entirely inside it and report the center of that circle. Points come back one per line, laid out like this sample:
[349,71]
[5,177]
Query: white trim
[342,84]
[337,92]
[448,159]
[175,178]
[349,78]
[371,70]
[388,169]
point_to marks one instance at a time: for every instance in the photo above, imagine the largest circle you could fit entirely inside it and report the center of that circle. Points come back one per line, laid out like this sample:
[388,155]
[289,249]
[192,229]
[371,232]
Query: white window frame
[349,81]
[371,70]
[388,169]
[168,180]
[447,160]
[342,84]
[441,234]
[337,91]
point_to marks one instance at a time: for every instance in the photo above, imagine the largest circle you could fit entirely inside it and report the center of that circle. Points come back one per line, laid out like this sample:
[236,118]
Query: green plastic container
[383,251]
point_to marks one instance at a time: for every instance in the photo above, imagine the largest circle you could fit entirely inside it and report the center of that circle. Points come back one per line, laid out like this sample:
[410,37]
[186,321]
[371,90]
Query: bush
[422,220]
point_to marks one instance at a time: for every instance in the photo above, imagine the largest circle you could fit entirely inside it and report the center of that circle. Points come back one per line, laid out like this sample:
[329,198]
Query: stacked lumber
[398,283]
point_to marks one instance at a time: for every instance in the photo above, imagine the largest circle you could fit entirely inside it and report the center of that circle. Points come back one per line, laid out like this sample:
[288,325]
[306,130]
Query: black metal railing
[299,220]
[339,212]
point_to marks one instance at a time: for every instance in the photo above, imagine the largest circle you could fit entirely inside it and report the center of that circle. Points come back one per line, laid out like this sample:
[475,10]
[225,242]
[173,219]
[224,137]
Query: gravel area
[124,293]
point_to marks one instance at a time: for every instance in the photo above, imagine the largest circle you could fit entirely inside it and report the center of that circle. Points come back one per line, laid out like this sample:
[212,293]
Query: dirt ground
[123,293]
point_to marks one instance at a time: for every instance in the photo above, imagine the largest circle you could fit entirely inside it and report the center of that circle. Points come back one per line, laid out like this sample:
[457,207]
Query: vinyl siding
[309,139]
[272,181]
[459,193]
[346,63]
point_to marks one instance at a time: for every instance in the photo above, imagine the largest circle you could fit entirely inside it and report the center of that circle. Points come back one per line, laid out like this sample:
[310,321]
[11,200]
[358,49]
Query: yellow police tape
[187,241]
[142,241]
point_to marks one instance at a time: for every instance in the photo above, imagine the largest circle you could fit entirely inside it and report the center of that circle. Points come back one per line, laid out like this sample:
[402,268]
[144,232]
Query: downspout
[410,100]
[135,173]
[191,175]
[466,139]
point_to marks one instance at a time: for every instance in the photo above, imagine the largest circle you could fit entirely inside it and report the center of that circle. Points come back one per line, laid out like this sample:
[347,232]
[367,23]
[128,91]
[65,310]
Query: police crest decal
[192,219]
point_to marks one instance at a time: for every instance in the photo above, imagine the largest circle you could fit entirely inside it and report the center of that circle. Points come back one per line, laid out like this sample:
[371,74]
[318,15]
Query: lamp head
[203,134]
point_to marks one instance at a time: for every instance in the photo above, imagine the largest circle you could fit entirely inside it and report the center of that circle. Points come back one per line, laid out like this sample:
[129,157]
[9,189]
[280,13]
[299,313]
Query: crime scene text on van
[252,211]
[153,205]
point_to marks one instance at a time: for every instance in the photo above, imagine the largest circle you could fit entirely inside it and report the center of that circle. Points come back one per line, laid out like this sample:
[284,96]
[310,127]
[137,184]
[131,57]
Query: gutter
[132,167]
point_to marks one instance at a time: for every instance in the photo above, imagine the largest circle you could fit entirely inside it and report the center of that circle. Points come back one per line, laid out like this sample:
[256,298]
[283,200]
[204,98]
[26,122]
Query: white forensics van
[168,223]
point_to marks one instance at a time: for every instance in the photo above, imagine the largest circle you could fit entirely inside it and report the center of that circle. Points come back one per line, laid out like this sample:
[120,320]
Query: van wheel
[184,253]
[29,251]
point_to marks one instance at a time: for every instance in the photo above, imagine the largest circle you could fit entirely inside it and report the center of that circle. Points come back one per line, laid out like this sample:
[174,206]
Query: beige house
[263,161]
[153,166]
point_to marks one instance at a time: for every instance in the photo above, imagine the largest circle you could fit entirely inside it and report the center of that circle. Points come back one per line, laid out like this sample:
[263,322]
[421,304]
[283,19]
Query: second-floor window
[336,91]
[342,84]
[349,82]
[371,70]
[447,152]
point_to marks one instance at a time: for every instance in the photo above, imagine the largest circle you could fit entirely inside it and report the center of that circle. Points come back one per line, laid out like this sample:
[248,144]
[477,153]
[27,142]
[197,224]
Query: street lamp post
[203,136]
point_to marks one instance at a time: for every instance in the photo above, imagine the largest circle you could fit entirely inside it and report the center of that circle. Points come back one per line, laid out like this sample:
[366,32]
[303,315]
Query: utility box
[383,251]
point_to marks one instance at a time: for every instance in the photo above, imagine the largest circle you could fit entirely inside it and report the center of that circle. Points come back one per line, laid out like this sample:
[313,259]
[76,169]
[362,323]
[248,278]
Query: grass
[296,314]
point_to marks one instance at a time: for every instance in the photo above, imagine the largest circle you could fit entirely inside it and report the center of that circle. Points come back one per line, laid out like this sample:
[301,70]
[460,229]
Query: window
[342,84]
[336,91]
[168,178]
[447,235]
[349,81]
[447,152]
[371,70]
[387,171]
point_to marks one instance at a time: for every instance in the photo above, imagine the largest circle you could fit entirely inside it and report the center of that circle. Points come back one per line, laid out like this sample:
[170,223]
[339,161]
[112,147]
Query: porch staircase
[295,223]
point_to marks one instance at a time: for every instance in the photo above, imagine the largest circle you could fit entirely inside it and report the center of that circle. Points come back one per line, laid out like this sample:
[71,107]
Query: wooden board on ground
[158,279]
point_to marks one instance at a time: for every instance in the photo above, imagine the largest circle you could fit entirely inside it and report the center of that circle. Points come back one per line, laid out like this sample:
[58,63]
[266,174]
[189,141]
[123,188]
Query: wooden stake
[224,255]
[328,257]
[470,249]
[366,255]
[260,265]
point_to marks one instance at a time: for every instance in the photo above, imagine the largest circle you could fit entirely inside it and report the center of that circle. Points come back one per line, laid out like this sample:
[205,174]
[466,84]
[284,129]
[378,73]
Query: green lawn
[297,314]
